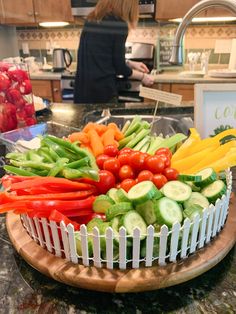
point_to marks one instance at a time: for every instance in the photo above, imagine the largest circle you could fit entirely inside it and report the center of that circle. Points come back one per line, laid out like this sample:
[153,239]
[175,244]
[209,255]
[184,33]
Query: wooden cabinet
[181,7]
[48,89]
[186,90]
[18,12]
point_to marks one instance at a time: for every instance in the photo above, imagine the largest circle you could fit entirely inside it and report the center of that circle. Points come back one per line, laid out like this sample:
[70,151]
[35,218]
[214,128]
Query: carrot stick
[108,137]
[89,126]
[100,128]
[118,134]
[96,143]
[79,136]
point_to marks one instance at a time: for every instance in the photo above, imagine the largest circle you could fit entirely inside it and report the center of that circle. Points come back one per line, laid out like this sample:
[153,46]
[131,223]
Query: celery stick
[146,125]
[126,140]
[144,149]
[137,126]
[155,142]
[173,140]
[144,141]
[138,138]
[126,126]
[132,125]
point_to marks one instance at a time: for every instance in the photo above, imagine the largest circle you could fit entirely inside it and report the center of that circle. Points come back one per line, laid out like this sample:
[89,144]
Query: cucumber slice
[79,244]
[115,223]
[177,191]
[142,192]
[168,212]
[156,246]
[132,220]
[122,196]
[208,176]
[118,209]
[112,193]
[191,211]
[189,177]
[197,198]
[214,191]
[95,222]
[102,203]
[193,186]
[148,211]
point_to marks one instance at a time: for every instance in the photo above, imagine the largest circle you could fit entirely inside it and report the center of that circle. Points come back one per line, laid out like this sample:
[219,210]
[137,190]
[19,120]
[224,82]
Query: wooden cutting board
[130,280]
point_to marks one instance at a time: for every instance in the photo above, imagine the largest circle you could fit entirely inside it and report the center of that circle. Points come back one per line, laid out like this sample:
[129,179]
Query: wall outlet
[25,48]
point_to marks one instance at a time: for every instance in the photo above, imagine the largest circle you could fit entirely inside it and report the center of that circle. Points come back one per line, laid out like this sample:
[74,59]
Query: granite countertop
[25,290]
[41,75]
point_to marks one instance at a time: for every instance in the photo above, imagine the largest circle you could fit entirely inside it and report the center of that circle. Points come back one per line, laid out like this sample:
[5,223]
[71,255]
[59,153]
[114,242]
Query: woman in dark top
[101,54]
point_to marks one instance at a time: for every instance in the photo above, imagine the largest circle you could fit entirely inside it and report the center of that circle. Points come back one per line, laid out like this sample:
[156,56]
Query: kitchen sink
[162,124]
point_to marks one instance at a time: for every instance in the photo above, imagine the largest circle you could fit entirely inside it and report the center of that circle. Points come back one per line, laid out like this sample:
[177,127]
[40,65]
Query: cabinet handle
[36,13]
[30,13]
[55,90]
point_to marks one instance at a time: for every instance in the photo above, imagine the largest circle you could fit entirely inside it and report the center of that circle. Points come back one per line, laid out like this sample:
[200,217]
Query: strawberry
[13,95]
[18,75]
[4,66]
[4,82]
[2,97]
[10,109]
[29,109]
[30,121]
[25,87]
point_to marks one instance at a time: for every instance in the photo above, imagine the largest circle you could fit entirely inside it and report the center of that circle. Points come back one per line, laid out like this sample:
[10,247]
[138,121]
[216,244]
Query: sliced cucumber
[118,209]
[168,212]
[112,193]
[115,223]
[102,203]
[193,186]
[79,244]
[132,220]
[197,198]
[208,176]
[214,191]
[156,246]
[122,195]
[222,176]
[148,211]
[142,192]
[191,211]
[177,191]
[189,177]
[95,222]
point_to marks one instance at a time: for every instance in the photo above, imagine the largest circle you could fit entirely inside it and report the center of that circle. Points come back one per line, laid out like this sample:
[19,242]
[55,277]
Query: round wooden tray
[130,280]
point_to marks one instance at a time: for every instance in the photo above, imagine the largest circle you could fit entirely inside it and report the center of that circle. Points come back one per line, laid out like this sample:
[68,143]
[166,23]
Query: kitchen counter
[40,75]
[25,290]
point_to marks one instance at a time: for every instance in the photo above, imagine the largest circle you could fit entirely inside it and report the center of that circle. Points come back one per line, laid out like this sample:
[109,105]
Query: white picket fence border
[161,248]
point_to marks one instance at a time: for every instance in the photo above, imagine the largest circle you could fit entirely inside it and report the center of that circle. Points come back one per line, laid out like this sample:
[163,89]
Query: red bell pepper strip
[58,217]
[7,180]
[50,182]
[77,195]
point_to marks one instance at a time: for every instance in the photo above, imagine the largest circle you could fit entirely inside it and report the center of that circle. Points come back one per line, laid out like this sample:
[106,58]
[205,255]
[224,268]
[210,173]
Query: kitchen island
[25,290]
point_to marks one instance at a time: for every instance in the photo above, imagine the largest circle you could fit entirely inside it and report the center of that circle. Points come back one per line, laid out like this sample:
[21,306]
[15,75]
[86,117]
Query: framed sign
[214,107]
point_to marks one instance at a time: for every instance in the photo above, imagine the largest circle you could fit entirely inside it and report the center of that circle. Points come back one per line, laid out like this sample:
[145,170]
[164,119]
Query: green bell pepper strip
[19,171]
[59,166]
[32,164]
[79,163]
[45,154]
[80,173]
[61,152]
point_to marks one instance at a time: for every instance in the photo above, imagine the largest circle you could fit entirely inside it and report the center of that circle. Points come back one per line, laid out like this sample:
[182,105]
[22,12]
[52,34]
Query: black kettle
[61,59]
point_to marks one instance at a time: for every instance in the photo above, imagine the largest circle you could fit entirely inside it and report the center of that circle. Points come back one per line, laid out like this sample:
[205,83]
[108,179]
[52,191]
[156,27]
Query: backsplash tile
[197,38]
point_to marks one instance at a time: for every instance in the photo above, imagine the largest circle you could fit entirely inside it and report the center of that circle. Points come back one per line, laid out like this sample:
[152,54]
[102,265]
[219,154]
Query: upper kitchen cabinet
[172,9]
[28,12]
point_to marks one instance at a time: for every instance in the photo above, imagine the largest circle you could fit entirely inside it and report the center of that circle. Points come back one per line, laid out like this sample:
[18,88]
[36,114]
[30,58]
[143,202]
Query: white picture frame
[214,105]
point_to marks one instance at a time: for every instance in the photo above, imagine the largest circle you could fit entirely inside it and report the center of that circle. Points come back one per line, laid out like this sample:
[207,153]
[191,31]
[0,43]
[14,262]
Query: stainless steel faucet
[177,53]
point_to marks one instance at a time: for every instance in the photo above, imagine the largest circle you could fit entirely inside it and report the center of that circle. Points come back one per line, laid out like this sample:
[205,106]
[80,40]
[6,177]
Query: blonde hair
[127,10]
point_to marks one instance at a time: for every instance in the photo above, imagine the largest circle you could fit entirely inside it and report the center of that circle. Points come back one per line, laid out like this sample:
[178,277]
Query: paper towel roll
[232,60]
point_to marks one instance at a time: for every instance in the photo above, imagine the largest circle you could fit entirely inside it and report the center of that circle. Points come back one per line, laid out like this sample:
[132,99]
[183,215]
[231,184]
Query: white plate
[192,74]
[222,73]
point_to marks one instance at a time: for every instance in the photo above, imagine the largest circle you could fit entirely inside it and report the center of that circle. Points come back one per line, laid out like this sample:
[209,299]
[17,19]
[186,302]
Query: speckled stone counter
[25,290]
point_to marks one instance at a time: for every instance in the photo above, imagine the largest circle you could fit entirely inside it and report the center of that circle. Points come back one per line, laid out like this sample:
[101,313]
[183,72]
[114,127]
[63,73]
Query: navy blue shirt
[101,57]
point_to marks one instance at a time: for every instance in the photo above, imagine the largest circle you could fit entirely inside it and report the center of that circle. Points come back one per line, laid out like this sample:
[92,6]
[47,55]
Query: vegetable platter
[122,198]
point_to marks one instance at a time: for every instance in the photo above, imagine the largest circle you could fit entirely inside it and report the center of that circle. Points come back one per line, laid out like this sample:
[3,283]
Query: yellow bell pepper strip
[226,162]
[221,135]
[191,160]
[192,140]
[220,152]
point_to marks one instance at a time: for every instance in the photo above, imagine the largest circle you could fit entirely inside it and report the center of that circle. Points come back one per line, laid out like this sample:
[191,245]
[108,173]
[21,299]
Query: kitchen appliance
[84,7]
[128,89]
[62,59]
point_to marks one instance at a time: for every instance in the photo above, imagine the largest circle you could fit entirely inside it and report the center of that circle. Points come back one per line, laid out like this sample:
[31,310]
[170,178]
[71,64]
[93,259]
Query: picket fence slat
[84,245]
[109,248]
[209,223]
[122,248]
[174,242]
[39,232]
[46,234]
[96,248]
[136,248]
[203,224]
[32,228]
[163,245]
[72,244]
[218,206]
[195,228]
[184,245]
[65,240]
[149,246]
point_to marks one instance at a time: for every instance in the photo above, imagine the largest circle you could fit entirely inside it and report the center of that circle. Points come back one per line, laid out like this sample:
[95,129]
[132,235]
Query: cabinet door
[186,90]
[17,12]
[178,8]
[56,91]
[42,88]
[52,11]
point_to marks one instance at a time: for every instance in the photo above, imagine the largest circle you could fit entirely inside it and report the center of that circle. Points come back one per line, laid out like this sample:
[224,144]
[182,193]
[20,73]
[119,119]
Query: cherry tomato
[125,150]
[127,184]
[145,175]
[137,160]
[112,164]
[171,174]
[124,159]
[155,164]
[159,180]
[106,181]
[166,159]
[126,172]
[101,159]
[164,151]
[111,150]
